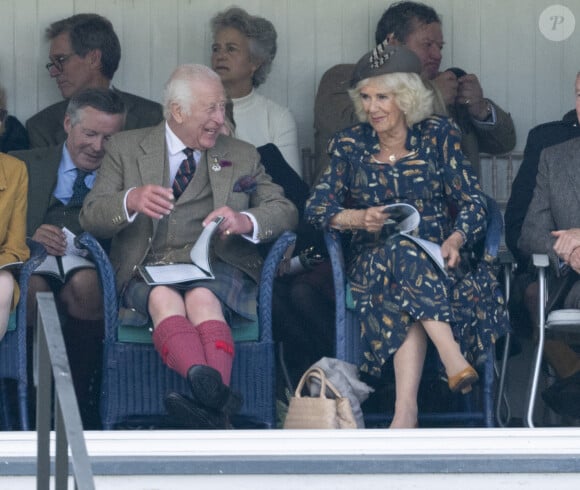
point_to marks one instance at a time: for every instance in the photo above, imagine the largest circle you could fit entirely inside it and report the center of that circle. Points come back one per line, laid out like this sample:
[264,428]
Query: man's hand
[53,239]
[234,223]
[566,242]
[574,260]
[154,201]
[470,93]
[447,85]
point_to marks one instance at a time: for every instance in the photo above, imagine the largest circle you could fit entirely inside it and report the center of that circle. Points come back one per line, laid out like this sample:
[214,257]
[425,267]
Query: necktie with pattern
[184,174]
[80,189]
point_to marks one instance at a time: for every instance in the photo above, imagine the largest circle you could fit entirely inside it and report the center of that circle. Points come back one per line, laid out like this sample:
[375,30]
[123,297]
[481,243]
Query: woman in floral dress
[402,153]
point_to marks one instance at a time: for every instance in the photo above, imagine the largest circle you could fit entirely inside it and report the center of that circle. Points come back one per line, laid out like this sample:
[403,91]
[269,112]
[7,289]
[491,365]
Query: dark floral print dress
[393,282]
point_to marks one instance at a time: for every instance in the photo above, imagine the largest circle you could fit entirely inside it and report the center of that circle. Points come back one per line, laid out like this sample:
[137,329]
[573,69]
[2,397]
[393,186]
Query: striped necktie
[80,189]
[184,173]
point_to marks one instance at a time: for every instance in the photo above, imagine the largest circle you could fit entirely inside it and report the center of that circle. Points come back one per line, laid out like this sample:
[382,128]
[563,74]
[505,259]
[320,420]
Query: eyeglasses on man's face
[58,62]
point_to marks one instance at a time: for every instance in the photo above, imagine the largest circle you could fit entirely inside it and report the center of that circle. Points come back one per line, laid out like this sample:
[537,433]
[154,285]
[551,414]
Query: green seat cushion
[12,321]
[242,331]
[349,300]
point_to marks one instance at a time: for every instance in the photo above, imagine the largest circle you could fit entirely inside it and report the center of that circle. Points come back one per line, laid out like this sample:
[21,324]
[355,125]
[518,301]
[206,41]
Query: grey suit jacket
[42,165]
[333,111]
[135,158]
[45,128]
[556,199]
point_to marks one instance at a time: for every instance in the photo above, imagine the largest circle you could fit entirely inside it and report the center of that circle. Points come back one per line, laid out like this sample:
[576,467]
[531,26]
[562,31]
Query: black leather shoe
[563,397]
[186,414]
[209,391]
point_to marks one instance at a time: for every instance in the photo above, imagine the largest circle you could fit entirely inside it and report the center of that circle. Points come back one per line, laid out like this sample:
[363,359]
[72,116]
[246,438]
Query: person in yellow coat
[13,190]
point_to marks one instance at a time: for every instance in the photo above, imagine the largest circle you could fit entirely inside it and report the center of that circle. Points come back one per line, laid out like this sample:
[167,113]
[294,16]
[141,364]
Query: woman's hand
[371,219]
[374,218]
[450,249]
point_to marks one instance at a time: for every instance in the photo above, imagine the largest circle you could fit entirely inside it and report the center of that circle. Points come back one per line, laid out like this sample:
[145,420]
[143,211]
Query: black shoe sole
[188,415]
[209,391]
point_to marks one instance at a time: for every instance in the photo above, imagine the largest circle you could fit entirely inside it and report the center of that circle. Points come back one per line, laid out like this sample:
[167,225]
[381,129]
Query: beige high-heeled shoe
[463,380]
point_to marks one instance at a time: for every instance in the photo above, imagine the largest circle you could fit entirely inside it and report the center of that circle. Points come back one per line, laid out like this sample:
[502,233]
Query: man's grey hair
[178,87]
[103,100]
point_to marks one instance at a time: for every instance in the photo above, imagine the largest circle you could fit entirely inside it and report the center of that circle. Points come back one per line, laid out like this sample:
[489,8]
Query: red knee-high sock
[218,346]
[178,343]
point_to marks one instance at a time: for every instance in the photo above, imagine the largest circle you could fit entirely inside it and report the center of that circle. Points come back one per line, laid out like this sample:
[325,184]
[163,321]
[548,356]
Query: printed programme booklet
[404,218]
[198,269]
[60,267]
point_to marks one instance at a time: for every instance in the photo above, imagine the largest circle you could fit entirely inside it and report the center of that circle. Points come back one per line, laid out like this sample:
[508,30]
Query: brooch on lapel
[246,184]
[218,164]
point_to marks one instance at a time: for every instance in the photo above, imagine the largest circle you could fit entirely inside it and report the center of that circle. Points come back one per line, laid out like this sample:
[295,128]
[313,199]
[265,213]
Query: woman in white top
[242,54]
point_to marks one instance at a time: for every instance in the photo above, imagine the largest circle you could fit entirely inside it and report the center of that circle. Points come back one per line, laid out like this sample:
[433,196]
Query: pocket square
[246,184]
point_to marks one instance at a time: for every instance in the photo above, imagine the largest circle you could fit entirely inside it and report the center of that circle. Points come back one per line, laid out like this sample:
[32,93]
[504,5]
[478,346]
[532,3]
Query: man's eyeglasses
[58,62]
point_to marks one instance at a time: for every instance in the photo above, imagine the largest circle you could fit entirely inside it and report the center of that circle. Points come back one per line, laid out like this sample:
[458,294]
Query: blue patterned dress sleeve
[461,185]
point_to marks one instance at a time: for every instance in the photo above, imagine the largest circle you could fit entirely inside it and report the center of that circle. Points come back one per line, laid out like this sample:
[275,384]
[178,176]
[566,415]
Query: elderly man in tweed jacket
[136,203]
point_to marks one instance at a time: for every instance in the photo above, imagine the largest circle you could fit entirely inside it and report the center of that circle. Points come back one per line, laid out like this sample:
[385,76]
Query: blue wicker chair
[135,380]
[476,408]
[13,360]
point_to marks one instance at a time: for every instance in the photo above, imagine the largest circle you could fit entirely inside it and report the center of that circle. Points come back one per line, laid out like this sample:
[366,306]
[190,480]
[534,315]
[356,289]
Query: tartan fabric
[235,289]
[184,174]
[80,189]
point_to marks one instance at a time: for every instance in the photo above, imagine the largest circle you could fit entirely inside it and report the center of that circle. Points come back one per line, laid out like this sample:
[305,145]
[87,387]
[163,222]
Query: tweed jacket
[13,184]
[139,157]
[556,199]
[522,191]
[42,164]
[333,111]
[46,127]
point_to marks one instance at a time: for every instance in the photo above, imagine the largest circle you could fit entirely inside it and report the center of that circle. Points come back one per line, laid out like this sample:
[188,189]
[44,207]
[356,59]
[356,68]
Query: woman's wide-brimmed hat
[385,59]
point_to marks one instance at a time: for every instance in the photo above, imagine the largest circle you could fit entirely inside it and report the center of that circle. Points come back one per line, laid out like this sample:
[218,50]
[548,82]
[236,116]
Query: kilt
[236,291]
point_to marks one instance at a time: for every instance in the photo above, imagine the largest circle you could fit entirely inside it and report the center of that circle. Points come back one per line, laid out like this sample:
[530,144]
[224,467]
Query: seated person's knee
[164,302]
[573,297]
[81,295]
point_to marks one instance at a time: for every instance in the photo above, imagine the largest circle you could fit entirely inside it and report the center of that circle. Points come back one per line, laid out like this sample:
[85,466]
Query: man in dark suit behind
[59,179]
[523,297]
[540,137]
[551,226]
[85,53]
